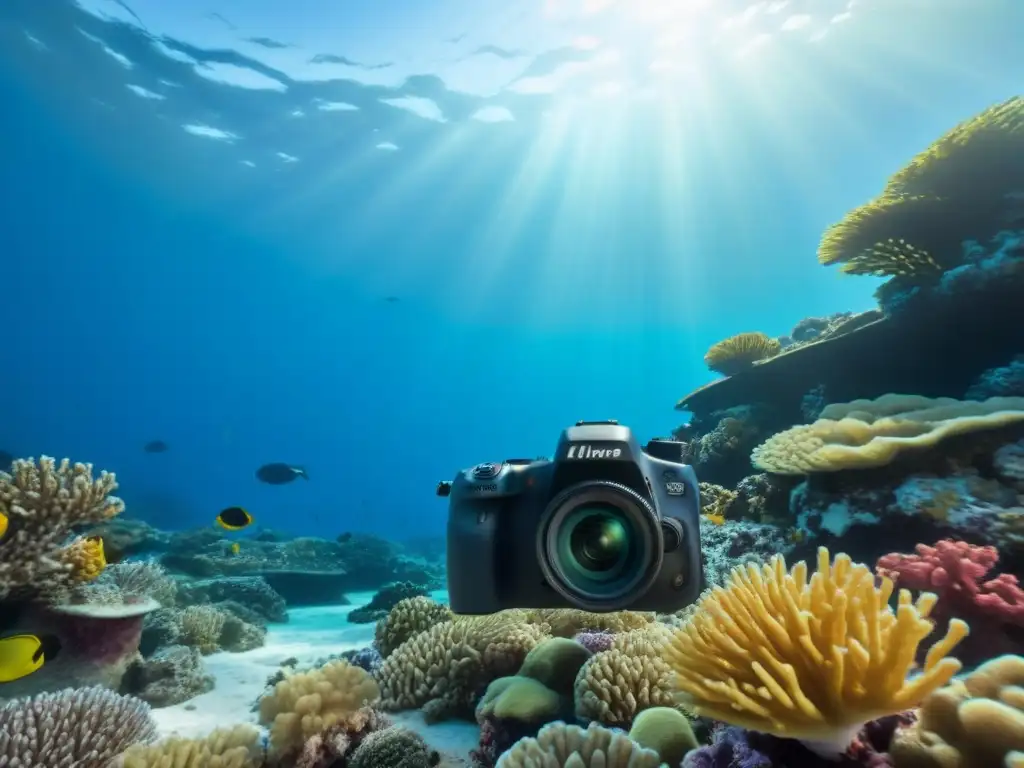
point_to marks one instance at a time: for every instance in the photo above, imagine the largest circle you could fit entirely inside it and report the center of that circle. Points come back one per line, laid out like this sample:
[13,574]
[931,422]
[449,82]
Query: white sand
[309,634]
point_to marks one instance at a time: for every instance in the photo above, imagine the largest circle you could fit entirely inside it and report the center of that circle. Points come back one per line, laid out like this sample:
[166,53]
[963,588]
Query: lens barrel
[599,545]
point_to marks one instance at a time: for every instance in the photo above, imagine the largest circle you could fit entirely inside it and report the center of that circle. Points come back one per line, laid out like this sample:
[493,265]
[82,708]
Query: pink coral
[954,571]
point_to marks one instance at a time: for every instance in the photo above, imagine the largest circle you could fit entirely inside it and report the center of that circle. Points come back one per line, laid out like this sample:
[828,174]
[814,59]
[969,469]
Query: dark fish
[233,519]
[279,474]
[6,460]
[155,446]
[21,655]
[345,538]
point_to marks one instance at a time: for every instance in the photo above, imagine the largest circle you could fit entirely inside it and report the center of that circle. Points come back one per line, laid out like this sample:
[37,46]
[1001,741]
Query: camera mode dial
[486,471]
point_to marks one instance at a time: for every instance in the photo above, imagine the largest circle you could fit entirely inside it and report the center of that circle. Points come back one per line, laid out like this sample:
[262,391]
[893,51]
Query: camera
[607,525]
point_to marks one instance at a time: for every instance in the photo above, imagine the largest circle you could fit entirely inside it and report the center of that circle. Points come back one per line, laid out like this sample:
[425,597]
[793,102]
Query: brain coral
[444,669]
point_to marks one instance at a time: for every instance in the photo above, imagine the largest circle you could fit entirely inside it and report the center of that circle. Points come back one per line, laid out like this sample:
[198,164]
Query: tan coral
[613,687]
[237,747]
[201,626]
[715,500]
[808,658]
[443,669]
[309,704]
[567,622]
[558,745]
[975,722]
[408,617]
[43,501]
[872,433]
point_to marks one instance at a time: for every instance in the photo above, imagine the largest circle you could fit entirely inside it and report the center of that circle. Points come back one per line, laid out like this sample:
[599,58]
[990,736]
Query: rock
[251,591]
[173,675]
[159,630]
[384,600]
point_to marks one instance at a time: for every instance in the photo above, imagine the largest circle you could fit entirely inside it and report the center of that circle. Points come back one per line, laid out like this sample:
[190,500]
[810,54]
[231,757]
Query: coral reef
[84,728]
[384,600]
[43,502]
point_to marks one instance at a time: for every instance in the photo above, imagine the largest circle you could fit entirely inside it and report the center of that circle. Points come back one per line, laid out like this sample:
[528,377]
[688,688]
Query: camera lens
[599,545]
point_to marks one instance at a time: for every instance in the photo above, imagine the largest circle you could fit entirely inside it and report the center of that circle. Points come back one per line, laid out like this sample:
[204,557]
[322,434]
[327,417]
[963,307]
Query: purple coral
[368,658]
[595,641]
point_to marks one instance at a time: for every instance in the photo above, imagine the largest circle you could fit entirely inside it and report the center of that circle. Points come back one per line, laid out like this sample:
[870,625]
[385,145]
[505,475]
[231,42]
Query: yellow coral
[86,559]
[568,746]
[715,501]
[237,747]
[308,704]
[976,722]
[813,659]
[872,433]
[567,622]
[737,353]
[894,257]
[443,669]
[407,618]
[614,686]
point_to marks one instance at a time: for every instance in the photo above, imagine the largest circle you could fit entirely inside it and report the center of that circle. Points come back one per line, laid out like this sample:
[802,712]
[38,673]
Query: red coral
[954,571]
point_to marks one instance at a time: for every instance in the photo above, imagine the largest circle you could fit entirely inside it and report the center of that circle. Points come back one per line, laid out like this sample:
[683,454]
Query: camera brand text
[584,451]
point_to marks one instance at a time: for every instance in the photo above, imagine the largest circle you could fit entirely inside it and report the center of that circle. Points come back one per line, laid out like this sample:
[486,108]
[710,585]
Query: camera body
[606,525]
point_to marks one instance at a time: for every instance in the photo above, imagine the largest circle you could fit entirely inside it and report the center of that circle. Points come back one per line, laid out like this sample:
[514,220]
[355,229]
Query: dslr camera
[607,525]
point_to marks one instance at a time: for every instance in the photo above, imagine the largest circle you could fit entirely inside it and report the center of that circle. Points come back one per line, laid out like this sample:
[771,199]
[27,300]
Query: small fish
[155,446]
[279,474]
[4,521]
[21,655]
[233,519]
[345,538]
[235,547]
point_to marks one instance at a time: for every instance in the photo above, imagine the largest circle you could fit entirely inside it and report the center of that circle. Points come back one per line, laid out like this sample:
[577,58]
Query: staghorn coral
[43,501]
[974,722]
[201,626]
[72,728]
[407,618]
[237,747]
[444,669]
[872,433]
[808,658]
[614,686]
[737,353]
[337,697]
[558,745]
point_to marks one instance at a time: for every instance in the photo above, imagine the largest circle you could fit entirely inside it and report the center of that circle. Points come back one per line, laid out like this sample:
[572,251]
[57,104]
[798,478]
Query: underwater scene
[535,384]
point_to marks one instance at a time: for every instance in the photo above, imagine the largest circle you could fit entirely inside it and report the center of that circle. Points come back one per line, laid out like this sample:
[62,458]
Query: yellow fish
[3,525]
[235,547]
[233,519]
[21,655]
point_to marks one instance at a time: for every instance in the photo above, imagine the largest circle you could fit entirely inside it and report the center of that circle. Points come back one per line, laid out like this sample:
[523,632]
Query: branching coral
[444,669]
[201,626]
[568,746]
[954,570]
[334,700]
[407,618]
[976,722]
[872,433]
[43,501]
[237,747]
[737,353]
[84,728]
[808,658]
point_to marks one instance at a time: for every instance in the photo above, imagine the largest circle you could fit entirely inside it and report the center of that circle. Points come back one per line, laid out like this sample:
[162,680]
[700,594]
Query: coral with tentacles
[44,501]
[737,353]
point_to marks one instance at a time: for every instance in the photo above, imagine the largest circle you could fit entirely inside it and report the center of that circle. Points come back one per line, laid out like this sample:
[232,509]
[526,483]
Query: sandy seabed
[308,635]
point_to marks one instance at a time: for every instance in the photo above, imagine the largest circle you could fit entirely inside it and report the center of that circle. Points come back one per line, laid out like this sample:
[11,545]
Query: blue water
[205,209]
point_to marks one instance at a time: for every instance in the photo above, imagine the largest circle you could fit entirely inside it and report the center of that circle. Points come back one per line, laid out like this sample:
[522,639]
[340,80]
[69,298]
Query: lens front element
[599,544]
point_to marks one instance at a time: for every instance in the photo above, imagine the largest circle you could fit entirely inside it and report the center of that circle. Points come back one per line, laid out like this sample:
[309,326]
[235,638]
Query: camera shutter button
[486,471]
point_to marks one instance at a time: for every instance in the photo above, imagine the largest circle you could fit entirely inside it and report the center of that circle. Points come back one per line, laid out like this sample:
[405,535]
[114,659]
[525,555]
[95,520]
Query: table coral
[811,658]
